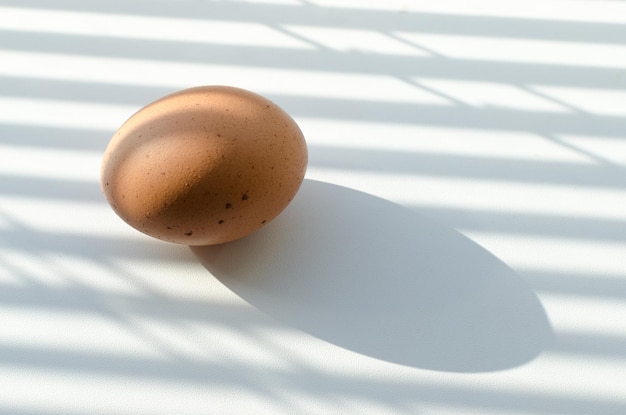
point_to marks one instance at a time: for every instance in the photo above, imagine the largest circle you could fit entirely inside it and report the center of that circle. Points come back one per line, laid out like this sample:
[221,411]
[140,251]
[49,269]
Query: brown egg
[204,165]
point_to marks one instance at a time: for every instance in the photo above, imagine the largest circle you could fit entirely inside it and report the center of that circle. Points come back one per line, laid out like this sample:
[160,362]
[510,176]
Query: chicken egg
[204,165]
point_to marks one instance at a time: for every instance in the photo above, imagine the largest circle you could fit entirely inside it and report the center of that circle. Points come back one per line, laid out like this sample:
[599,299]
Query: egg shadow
[378,279]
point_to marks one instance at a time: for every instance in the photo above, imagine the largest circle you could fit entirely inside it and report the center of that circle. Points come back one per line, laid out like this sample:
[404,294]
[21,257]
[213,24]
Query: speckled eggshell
[204,165]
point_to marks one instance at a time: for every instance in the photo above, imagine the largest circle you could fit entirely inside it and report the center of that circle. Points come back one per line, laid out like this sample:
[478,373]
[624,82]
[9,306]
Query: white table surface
[458,245]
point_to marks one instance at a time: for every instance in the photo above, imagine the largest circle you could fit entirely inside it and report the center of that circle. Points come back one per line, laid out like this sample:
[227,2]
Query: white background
[458,246]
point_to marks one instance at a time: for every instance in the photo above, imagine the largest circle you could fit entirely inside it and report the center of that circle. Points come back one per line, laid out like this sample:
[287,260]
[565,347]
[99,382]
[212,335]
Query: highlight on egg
[204,165]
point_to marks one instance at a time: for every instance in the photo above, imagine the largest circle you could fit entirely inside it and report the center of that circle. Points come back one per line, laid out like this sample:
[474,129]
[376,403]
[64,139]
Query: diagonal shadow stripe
[356,18]
[518,73]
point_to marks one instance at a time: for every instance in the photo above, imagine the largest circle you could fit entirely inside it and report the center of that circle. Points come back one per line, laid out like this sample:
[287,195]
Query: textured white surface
[489,122]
